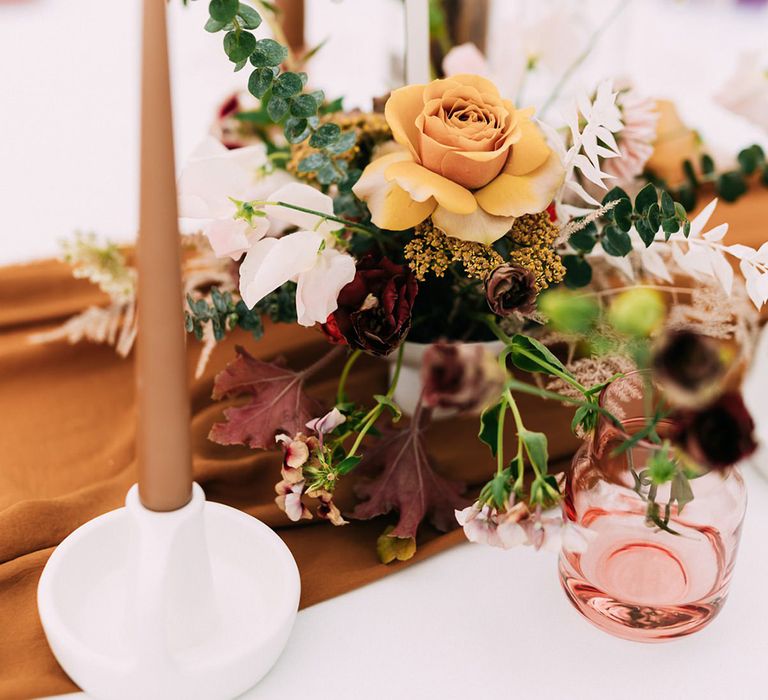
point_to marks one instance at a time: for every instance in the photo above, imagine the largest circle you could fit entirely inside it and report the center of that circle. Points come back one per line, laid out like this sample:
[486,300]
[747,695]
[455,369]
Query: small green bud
[569,312]
[637,312]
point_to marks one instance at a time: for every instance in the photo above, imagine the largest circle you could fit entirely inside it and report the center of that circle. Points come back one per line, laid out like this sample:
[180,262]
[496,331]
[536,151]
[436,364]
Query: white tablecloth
[474,621]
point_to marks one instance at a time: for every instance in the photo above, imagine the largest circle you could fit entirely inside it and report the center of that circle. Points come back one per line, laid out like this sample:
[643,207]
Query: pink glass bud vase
[638,579]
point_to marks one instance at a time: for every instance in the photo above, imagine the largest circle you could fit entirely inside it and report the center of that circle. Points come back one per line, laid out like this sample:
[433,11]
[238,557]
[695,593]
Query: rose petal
[423,184]
[478,226]
[319,286]
[391,206]
[515,195]
[530,151]
[272,262]
[403,107]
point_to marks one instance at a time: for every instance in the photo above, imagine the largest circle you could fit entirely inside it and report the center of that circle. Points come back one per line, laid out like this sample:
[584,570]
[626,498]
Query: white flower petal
[273,262]
[213,175]
[307,197]
[231,238]
[319,286]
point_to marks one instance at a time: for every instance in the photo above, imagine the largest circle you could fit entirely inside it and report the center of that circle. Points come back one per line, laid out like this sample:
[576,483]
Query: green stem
[554,370]
[546,394]
[510,401]
[590,44]
[322,215]
[340,394]
[495,328]
[500,439]
[375,412]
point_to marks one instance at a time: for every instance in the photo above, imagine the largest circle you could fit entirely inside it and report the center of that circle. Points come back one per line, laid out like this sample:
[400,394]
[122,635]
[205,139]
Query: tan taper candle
[163,440]
[292,20]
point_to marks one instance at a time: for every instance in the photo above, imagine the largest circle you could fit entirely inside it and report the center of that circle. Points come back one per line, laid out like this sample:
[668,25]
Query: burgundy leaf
[407,484]
[278,403]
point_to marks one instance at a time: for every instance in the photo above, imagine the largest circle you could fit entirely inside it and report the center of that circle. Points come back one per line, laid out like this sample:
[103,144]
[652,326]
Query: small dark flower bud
[509,289]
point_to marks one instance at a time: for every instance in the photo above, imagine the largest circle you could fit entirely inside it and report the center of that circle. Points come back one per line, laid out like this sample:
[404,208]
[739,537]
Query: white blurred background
[69,86]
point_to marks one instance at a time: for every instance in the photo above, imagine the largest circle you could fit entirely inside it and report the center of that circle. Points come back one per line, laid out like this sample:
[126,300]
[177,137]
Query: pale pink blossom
[746,92]
[552,533]
[327,423]
[295,456]
[466,58]
[327,509]
[635,139]
[486,525]
[289,500]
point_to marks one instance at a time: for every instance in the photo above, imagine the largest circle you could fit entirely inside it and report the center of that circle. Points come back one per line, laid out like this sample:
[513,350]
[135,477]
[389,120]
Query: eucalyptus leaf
[260,81]
[645,198]
[223,10]
[667,205]
[578,272]
[268,54]
[296,129]
[303,106]
[616,242]
[312,162]
[239,45]
[277,108]
[326,135]
[622,214]
[287,85]
[250,17]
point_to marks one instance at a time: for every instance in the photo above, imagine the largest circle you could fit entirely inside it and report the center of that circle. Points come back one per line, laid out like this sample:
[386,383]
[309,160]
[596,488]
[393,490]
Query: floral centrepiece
[457,217]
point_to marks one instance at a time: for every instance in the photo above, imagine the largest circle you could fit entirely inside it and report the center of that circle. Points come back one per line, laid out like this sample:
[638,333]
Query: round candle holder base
[193,603]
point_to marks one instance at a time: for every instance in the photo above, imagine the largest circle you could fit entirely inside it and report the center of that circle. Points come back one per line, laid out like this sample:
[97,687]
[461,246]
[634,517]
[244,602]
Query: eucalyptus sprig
[653,210]
[224,313]
[282,92]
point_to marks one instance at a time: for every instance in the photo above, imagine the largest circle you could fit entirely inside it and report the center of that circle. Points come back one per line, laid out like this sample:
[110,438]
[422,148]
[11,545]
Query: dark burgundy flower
[509,289]
[374,312]
[688,366]
[719,435]
[460,376]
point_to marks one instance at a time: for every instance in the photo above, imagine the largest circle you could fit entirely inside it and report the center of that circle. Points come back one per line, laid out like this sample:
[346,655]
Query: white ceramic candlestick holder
[193,603]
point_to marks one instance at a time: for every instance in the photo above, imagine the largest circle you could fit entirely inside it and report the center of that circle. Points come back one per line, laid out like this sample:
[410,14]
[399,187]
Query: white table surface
[474,621]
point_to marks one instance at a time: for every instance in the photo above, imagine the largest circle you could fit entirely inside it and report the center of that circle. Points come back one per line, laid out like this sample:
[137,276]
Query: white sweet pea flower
[212,178]
[307,257]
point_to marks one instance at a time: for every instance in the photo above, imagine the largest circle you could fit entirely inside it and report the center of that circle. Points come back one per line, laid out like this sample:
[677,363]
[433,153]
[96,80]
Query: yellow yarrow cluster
[372,129]
[431,250]
[534,237]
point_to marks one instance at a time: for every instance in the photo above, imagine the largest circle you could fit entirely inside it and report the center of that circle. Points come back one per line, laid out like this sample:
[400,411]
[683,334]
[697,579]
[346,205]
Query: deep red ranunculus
[374,312]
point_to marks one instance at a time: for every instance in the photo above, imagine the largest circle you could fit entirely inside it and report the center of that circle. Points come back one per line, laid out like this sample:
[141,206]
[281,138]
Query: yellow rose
[468,159]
